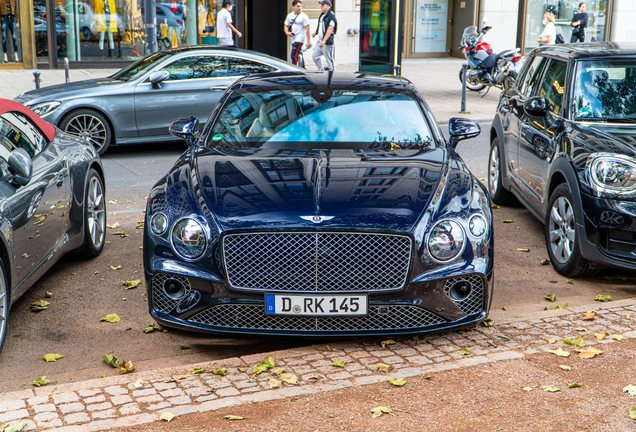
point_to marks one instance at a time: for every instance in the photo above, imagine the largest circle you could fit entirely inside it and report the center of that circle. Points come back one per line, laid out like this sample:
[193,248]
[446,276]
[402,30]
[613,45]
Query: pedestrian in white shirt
[224,27]
[327,28]
[548,37]
[297,28]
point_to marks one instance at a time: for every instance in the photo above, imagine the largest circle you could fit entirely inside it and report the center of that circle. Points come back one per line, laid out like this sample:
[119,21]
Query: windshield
[604,89]
[140,67]
[311,118]
[470,31]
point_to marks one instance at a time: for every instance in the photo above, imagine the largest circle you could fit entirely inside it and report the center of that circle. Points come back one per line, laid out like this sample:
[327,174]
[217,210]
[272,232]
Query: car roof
[584,51]
[228,49]
[325,79]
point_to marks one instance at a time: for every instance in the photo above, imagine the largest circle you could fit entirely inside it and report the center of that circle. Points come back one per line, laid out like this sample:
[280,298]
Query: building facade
[111,33]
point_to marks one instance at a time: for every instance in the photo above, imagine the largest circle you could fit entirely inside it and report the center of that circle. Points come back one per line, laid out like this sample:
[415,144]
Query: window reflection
[605,89]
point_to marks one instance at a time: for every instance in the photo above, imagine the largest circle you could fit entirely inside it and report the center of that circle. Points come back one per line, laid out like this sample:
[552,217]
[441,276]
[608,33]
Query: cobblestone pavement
[121,401]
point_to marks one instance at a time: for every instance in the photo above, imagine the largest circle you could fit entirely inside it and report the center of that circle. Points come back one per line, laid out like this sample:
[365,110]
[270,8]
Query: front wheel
[4,306]
[560,235]
[498,194]
[94,215]
[474,85]
[89,125]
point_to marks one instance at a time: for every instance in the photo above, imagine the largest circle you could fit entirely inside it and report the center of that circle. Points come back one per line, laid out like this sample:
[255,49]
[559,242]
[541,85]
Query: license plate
[316,305]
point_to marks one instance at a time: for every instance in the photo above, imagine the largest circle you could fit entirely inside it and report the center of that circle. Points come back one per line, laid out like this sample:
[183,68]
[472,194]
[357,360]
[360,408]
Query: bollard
[397,69]
[464,73]
[66,70]
[37,81]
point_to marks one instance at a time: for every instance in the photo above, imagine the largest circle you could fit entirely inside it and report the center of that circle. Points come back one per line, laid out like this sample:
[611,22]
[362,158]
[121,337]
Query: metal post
[36,75]
[150,15]
[66,70]
[397,69]
[464,73]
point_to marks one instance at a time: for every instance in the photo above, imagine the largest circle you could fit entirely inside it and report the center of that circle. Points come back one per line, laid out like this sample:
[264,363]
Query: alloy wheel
[493,172]
[4,309]
[562,231]
[89,128]
[96,212]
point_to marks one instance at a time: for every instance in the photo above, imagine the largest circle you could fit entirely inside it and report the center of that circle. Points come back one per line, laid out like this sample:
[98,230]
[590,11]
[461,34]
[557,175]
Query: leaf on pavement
[153,327]
[112,202]
[589,352]
[111,360]
[233,417]
[617,337]
[259,369]
[131,284]
[121,234]
[601,336]
[569,281]
[139,383]
[52,357]
[48,294]
[221,372]
[26,255]
[268,363]
[274,383]
[398,382]
[379,410]
[41,381]
[523,250]
[339,363]
[631,389]
[614,277]
[578,341]
[289,378]
[550,389]
[113,226]
[167,416]
[111,318]
[125,367]
[560,352]
[589,316]
[39,305]
[198,370]
[632,413]
[508,221]
[602,298]
[565,368]
[545,262]
[464,352]
[384,367]
[574,385]
[278,371]
[551,341]
[384,343]
[528,389]
[113,267]
[488,322]
[140,224]
[495,206]
[16,427]
[550,297]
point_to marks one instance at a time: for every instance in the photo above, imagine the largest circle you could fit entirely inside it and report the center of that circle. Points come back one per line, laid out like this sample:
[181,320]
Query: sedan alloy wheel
[95,225]
[90,126]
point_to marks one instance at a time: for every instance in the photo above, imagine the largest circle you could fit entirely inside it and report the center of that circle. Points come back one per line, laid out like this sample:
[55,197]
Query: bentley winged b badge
[317,219]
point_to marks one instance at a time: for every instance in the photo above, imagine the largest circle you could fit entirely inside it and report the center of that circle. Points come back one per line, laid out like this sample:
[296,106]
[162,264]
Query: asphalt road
[84,291]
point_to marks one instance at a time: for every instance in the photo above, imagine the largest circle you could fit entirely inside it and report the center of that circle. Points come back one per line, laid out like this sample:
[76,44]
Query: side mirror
[21,166]
[536,106]
[157,77]
[185,128]
[461,129]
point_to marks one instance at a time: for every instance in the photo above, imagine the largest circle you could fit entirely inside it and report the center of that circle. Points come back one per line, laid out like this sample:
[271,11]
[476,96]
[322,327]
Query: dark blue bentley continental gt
[319,204]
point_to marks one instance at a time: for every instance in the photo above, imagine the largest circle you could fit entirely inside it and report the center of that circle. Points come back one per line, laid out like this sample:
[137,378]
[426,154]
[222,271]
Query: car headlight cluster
[188,236]
[612,173]
[45,108]
[446,240]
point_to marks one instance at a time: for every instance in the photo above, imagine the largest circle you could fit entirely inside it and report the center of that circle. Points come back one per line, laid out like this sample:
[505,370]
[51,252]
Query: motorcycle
[485,68]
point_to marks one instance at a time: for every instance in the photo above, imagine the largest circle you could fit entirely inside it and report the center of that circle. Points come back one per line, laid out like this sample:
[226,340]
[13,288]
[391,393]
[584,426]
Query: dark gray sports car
[138,103]
[51,201]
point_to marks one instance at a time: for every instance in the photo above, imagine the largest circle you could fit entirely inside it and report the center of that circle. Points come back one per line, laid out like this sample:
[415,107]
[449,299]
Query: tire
[86,34]
[469,86]
[498,194]
[89,125]
[94,215]
[561,237]
[510,80]
[5,301]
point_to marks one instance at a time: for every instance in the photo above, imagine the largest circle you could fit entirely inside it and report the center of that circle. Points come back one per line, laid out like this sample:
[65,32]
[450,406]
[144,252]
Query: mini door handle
[219,87]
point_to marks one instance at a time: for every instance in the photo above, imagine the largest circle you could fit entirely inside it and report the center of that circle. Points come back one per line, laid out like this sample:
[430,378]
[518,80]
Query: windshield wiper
[607,119]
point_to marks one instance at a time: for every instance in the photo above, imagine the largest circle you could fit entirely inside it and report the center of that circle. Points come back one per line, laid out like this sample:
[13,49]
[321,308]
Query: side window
[553,85]
[19,132]
[243,67]
[5,147]
[529,82]
[197,68]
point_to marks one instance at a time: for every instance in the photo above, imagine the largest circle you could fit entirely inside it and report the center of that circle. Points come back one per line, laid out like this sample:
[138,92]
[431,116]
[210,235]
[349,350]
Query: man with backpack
[297,28]
[326,31]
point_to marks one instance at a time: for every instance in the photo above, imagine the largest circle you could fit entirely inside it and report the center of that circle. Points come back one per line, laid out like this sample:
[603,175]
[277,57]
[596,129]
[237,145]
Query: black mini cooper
[563,142]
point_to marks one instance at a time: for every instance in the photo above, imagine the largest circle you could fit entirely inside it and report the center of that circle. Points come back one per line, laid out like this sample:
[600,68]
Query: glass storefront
[564,11]
[430,26]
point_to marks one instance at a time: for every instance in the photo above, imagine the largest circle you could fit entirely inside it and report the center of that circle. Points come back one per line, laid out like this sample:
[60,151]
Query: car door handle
[525,127]
[60,177]
[219,87]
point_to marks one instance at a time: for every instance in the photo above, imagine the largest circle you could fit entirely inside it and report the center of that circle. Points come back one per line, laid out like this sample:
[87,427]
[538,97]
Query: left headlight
[44,108]
[189,239]
[612,173]
[446,240]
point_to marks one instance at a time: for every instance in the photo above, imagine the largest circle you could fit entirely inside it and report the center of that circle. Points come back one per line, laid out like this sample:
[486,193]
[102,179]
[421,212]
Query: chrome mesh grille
[253,317]
[474,303]
[324,261]
[160,301]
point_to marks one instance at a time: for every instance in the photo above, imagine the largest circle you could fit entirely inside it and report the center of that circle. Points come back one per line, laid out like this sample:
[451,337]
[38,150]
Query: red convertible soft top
[7,105]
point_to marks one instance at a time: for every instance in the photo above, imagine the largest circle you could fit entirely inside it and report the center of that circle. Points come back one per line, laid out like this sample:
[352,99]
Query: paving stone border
[111,402]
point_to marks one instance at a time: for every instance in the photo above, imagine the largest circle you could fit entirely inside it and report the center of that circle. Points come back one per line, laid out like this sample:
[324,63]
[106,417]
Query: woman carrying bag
[548,37]
[579,24]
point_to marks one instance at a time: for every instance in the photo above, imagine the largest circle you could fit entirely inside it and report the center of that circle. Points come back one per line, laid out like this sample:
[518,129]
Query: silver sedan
[138,103]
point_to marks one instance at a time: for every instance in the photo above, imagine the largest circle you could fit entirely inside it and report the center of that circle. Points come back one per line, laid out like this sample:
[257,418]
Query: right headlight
[612,173]
[44,108]
[446,240]
[189,239]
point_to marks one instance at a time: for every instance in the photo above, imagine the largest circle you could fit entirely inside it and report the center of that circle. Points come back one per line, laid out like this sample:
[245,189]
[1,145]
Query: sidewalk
[437,79]
[515,351]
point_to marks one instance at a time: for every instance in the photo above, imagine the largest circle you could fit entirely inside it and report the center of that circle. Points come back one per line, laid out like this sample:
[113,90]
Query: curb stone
[114,401]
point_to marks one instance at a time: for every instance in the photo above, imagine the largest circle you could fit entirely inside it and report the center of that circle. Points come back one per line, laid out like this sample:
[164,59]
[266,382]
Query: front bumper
[420,307]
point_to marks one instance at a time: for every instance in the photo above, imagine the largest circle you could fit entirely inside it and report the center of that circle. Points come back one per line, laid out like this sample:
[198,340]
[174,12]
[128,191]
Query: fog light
[174,289]
[477,225]
[460,291]
[159,223]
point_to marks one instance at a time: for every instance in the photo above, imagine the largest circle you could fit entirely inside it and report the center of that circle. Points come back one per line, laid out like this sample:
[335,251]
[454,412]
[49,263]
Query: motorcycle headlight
[45,108]
[189,239]
[612,173]
[446,240]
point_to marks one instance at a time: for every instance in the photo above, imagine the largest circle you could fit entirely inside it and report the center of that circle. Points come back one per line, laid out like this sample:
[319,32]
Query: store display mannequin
[106,19]
[7,13]
[176,9]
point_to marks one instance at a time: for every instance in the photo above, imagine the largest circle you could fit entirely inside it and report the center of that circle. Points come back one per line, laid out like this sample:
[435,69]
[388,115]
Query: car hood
[63,91]
[613,138]
[347,189]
